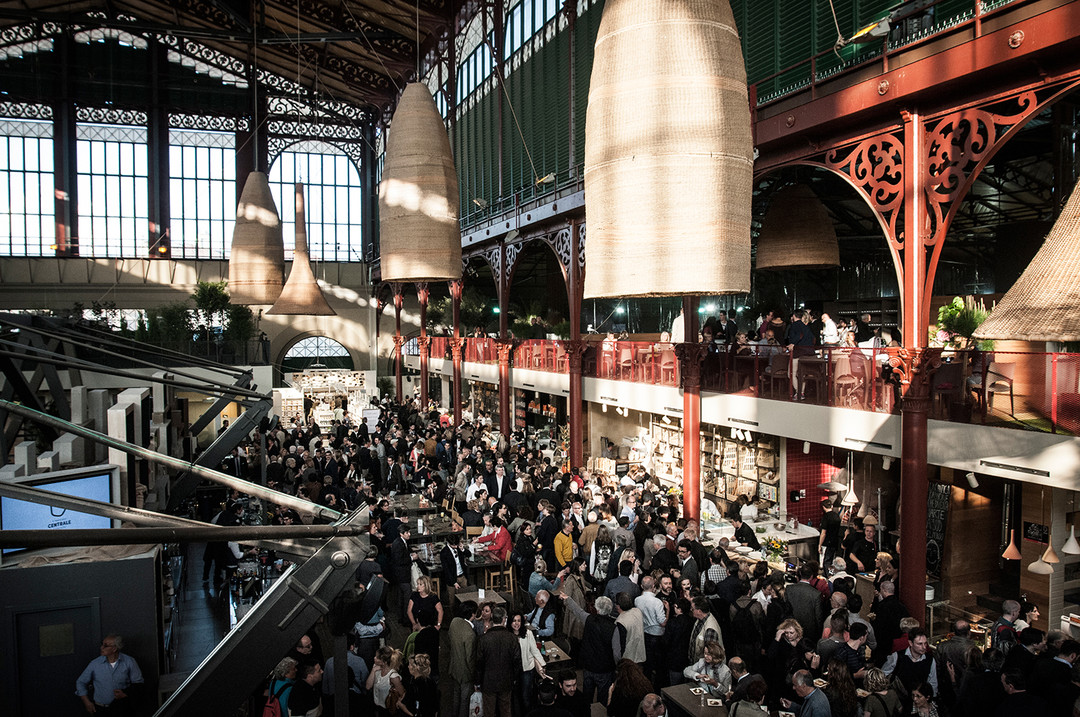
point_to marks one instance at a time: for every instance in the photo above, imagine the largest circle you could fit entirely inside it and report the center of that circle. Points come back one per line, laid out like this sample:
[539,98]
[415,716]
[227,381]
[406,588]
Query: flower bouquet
[775,549]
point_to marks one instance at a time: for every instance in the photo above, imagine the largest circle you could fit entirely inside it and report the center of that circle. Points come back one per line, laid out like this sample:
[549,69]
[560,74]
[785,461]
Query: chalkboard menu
[937,515]
[1036,532]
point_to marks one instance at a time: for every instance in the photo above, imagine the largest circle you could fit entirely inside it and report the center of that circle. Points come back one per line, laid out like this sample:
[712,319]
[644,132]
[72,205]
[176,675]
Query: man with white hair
[838,570]
[598,643]
[106,682]
[1003,633]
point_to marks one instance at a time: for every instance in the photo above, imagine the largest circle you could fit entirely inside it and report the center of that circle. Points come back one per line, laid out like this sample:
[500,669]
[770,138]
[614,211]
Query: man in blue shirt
[106,681]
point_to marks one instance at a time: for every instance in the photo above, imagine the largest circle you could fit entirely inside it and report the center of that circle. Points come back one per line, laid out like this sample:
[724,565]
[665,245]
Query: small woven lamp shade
[301,295]
[257,259]
[1044,303]
[419,238]
[797,232]
[668,152]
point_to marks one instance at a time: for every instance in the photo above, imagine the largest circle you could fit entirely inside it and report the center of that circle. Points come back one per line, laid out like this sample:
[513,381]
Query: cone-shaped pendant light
[1044,303]
[1049,556]
[668,152]
[1071,547]
[1012,552]
[1040,567]
[796,232]
[301,295]
[257,258]
[419,236]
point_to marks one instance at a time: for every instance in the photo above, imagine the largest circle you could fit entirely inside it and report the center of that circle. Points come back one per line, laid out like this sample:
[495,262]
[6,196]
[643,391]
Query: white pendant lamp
[1071,547]
[1040,567]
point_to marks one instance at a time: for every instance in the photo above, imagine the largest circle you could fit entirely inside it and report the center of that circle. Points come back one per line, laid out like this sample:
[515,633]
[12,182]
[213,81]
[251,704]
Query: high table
[413,504]
[686,702]
[555,658]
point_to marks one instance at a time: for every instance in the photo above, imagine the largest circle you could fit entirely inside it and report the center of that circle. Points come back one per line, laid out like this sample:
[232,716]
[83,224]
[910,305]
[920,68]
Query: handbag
[393,699]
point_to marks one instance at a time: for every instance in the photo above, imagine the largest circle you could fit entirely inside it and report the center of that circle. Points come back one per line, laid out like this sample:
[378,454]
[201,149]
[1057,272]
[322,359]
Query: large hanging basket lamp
[301,295]
[257,257]
[419,237]
[797,232]
[1044,303]
[668,152]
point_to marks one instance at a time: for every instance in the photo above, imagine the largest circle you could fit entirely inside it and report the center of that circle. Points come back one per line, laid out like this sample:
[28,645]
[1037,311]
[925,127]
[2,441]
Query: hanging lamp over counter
[257,257]
[301,295]
[419,236]
[797,232]
[668,152]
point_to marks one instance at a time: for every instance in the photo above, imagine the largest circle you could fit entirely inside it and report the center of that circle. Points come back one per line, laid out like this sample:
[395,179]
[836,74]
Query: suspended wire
[371,47]
[513,112]
[840,42]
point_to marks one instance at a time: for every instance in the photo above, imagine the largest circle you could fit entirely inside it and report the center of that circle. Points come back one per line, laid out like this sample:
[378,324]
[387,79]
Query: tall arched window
[333,199]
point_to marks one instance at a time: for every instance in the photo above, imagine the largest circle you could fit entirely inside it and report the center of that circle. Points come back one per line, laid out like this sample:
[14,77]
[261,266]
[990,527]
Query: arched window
[333,199]
[317,352]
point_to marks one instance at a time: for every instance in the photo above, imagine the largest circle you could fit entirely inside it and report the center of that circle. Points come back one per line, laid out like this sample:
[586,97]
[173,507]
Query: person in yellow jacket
[564,544]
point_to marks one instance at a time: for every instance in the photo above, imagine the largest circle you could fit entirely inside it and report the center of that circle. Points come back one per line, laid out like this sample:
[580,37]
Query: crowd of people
[608,569]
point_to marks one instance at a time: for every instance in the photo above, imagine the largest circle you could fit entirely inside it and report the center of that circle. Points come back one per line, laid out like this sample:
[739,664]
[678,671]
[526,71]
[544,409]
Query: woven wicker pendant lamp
[419,237]
[1044,303]
[797,232]
[301,295]
[257,258]
[668,152]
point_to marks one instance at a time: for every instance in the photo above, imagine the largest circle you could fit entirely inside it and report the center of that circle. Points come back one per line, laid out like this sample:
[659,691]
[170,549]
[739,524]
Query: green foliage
[169,322]
[562,329]
[441,312]
[522,329]
[959,319]
[211,302]
[239,323]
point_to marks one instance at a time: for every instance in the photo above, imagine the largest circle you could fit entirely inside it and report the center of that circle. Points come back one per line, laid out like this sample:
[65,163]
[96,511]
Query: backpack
[744,627]
[896,712]
[272,708]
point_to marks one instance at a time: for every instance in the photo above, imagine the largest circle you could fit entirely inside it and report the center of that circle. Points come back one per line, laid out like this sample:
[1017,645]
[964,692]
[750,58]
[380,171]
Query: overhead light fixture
[972,480]
[1012,552]
[666,420]
[603,407]
[851,498]
[511,235]
[546,179]
[495,310]
[1050,556]
[886,463]
[1040,567]
[1071,547]
[482,203]
[806,447]
[874,31]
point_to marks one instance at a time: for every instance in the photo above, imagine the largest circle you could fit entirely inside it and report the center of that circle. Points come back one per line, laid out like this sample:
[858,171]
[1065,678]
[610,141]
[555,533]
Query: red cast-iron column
[456,345]
[504,347]
[423,294]
[399,340]
[575,349]
[914,485]
[691,353]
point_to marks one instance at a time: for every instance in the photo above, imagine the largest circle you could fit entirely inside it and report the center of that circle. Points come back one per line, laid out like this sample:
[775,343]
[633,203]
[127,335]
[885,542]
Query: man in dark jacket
[806,604]
[887,618]
[498,665]
[400,569]
[597,654]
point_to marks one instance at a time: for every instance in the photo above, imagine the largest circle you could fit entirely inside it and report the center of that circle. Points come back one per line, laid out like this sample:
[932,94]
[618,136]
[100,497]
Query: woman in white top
[532,662]
[384,677]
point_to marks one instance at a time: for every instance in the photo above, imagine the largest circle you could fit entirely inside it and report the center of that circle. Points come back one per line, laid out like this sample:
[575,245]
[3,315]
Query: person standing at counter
[863,551]
[829,540]
[745,534]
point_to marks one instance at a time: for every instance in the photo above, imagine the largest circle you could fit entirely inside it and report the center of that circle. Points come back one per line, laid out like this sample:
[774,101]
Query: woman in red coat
[501,542]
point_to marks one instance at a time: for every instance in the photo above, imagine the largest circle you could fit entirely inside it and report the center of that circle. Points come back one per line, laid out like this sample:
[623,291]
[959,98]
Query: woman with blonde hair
[424,607]
[882,701]
[788,653]
[422,694]
[384,681]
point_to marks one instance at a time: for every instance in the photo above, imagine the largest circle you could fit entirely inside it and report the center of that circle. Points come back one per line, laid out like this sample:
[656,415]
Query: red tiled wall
[806,471]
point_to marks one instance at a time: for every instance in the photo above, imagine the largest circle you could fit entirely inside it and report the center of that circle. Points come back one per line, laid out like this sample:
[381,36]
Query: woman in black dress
[425,608]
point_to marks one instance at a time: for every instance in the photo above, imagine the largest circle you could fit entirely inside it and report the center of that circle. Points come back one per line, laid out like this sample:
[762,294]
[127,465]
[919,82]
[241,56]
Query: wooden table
[686,702]
[410,504]
[555,657]
[435,529]
[489,596]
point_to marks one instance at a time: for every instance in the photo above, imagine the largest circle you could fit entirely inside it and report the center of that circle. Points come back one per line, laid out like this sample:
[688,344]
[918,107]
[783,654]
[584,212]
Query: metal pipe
[276,497]
[138,516]
[48,357]
[136,536]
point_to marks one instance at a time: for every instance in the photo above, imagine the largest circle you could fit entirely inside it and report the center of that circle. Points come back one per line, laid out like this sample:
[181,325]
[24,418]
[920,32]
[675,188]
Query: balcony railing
[1031,390]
